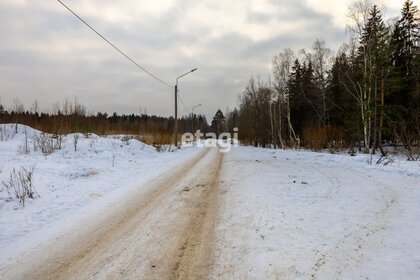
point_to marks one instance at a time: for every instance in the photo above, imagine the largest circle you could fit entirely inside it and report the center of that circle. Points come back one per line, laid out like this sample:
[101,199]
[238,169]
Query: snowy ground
[282,214]
[72,185]
[304,215]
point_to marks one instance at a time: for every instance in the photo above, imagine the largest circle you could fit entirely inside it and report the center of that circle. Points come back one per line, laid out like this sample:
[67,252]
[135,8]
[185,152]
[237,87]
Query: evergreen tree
[305,100]
[218,123]
[405,72]
[344,114]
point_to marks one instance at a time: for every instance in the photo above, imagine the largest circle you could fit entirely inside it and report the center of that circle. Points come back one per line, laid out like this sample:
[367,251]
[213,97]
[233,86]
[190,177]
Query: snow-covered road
[195,213]
[162,233]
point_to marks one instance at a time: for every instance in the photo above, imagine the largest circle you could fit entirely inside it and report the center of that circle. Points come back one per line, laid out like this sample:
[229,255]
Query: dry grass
[315,137]
[318,138]
[158,138]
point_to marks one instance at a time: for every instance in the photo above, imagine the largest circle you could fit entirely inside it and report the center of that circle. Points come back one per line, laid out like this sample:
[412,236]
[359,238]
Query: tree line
[72,117]
[365,96]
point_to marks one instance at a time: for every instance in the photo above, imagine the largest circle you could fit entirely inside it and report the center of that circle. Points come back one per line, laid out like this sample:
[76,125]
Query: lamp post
[176,105]
[192,116]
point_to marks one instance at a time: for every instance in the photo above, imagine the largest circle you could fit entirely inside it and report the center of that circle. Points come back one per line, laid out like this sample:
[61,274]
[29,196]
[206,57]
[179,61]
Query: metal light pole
[192,116]
[176,105]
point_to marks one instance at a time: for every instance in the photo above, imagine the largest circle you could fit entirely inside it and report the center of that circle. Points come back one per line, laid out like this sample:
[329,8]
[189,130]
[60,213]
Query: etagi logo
[225,141]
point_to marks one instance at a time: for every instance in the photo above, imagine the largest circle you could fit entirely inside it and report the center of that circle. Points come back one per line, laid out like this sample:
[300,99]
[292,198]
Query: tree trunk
[273,141]
[375,121]
[381,118]
[280,126]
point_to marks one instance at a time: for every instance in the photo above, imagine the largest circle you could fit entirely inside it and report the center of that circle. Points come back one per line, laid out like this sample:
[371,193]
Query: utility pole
[176,114]
[176,105]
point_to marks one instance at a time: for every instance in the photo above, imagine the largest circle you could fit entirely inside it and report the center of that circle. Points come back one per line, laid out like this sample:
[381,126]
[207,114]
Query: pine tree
[405,71]
[218,123]
[409,26]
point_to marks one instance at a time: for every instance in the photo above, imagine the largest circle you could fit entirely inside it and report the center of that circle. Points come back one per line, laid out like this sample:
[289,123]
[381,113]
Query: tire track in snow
[358,237]
[138,239]
[334,181]
[348,248]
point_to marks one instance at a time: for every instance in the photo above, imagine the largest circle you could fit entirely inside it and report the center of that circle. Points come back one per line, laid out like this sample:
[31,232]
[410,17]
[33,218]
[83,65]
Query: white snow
[304,215]
[284,214]
[72,185]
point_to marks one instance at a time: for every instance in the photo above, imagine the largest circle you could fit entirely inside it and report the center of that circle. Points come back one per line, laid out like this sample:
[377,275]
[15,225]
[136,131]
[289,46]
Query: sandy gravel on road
[165,232]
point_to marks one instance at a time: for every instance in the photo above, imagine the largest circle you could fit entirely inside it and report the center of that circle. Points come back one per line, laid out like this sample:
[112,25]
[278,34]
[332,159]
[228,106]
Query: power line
[185,107]
[112,45]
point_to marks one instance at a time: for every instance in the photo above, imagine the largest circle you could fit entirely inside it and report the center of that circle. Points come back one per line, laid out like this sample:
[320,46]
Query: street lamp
[192,116]
[176,105]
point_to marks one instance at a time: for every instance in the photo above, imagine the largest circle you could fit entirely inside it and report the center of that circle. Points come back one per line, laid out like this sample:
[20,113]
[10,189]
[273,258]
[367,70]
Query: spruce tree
[405,71]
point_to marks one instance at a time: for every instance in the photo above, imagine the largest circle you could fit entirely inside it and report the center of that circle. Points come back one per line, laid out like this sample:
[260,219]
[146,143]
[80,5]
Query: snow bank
[72,184]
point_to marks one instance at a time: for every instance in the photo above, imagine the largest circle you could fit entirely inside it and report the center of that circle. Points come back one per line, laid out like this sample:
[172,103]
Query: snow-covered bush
[412,153]
[164,148]
[24,149]
[45,143]
[386,160]
[75,141]
[20,185]
[5,133]
[59,140]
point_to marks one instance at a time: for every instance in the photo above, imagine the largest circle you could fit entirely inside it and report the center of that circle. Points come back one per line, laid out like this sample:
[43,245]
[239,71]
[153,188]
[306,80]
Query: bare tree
[66,109]
[359,14]
[35,107]
[282,64]
[18,109]
[320,60]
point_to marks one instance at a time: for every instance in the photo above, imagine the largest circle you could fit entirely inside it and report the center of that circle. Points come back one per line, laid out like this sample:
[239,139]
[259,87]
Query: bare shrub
[163,148]
[5,133]
[411,143]
[386,160]
[34,143]
[26,144]
[335,139]
[315,138]
[126,138]
[24,149]
[412,153]
[352,151]
[45,143]
[75,141]
[59,140]
[20,185]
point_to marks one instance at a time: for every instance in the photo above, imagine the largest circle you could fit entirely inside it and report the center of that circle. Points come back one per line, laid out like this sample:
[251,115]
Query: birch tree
[282,64]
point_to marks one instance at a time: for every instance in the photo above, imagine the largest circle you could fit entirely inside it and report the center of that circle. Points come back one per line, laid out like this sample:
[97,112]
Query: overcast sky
[47,54]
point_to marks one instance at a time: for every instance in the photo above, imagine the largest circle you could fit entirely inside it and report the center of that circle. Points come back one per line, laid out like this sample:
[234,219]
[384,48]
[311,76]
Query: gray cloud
[47,54]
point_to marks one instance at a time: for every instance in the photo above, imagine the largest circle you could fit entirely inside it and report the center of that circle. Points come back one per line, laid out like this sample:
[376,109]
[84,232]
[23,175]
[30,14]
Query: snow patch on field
[72,184]
[304,215]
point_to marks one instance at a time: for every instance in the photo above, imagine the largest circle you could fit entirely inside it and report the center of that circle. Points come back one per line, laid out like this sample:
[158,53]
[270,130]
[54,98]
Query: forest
[365,96]
[70,116]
